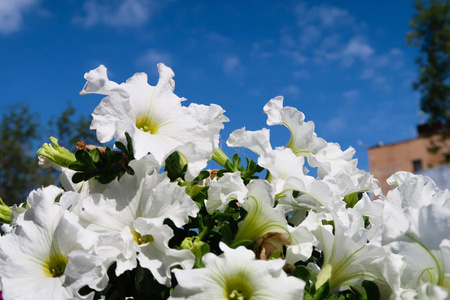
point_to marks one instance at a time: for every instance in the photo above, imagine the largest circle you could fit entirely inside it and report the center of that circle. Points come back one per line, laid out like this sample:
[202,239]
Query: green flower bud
[57,154]
[197,247]
[220,157]
[5,212]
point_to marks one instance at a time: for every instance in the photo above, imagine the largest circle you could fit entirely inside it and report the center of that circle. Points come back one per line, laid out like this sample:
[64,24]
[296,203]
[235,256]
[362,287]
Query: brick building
[410,155]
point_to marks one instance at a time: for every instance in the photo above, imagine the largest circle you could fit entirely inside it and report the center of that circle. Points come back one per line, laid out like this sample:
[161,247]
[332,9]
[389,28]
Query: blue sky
[344,64]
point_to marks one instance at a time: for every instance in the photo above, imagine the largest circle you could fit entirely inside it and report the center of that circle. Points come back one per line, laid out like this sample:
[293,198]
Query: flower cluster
[146,220]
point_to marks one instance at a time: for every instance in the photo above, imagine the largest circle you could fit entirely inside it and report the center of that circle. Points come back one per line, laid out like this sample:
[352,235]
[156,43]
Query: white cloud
[261,50]
[351,96]
[301,74]
[11,14]
[335,125]
[291,90]
[310,34]
[117,13]
[230,64]
[323,15]
[218,39]
[357,48]
[152,57]
[295,55]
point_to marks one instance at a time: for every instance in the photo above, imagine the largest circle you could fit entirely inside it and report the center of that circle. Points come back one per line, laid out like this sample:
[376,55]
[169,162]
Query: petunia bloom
[129,216]
[45,256]
[236,274]
[154,117]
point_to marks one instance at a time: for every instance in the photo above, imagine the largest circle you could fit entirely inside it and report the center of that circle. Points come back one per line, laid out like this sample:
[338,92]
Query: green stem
[220,157]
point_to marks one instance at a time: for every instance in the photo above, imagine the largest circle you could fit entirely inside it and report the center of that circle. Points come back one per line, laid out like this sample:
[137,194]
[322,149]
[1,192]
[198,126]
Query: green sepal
[371,290]
[5,212]
[352,199]
[244,243]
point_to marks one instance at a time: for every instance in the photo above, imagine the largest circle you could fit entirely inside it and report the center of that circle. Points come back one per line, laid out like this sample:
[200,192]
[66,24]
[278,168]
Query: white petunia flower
[282,163]
[331,160]
[129,216]
[153,116]
[412,191]
[314,194]
[415,191]
[262,217]
[303,138]
[416,226]
[236,274]
[349,258]
[302,240]
[424,291]
[227,188]
[45,256]
[257,141]
[198,151]
[425,247]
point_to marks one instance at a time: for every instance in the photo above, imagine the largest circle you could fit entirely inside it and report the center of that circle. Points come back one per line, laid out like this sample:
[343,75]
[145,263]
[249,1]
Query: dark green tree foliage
[69,130]
[19,129]
[21,134]
[431,35]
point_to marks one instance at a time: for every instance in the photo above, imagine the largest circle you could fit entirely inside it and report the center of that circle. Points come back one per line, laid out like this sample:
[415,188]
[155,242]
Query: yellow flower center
[237,288]
[55,265]
[146,124]
[139,239]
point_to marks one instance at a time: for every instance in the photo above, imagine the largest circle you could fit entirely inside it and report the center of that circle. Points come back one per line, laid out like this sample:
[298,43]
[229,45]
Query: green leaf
[352,199]
[227,235]
[302,272]
[371,290]
[77,166]
[84,157]
[203,175]
[121,147]
[95,154]
[78,177]
[322,292]
[244,243]
[129,146]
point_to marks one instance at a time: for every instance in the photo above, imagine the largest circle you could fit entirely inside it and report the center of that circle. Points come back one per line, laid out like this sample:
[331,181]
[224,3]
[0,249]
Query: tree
[69,131]
[19,130]
[431,34]
[21,135]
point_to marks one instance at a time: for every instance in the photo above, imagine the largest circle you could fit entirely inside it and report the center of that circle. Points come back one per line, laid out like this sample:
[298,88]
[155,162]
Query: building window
[447,158]
[417,165]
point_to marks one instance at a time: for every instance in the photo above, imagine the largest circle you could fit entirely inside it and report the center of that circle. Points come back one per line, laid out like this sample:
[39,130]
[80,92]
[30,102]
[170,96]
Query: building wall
[388,159]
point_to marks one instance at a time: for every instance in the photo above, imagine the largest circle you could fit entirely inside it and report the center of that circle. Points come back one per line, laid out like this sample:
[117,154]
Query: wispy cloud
[304,74]
[230,64]
[331,38]
[117,13]
[358,48]
[291,90]
[12,12]
[325,34]
[322,15]
[351,96]
[152,57]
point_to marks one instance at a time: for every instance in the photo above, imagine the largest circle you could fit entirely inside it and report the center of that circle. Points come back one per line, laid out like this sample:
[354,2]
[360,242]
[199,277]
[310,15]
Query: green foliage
[20,133]
[137,283]
[105,166]
[352,199]
[70,129]
[247,173]
[174,168]
[19,129]
[431,35]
